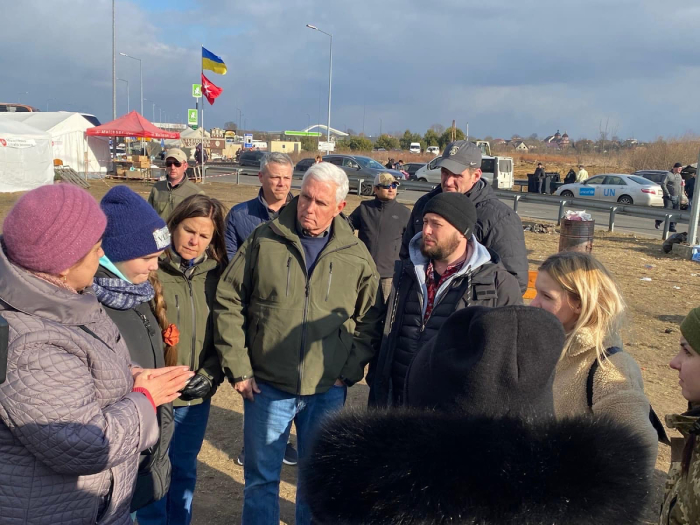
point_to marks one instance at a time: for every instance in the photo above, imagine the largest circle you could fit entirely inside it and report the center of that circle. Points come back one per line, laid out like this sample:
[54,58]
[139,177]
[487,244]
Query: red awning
[131,125]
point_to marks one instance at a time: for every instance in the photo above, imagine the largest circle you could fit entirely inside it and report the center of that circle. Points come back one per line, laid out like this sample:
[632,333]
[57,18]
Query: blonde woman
[593,375]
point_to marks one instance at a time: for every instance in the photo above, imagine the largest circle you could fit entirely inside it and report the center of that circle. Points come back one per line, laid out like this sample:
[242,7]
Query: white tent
[26,160]
[70,144]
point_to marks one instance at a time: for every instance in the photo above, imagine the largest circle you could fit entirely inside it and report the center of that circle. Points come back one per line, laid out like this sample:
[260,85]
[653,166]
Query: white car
[499,169]
[616,187]
[433,150]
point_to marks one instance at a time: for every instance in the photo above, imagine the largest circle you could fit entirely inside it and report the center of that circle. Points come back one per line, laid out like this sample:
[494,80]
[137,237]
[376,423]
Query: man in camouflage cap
[380,224]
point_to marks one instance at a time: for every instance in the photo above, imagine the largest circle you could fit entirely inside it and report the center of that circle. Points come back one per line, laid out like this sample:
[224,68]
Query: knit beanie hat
[456,208]
[489,361]
[690,328]
[52,227]
[134,229]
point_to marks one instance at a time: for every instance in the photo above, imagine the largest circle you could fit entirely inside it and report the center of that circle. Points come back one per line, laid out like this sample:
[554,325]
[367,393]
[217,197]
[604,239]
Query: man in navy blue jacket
[276,179]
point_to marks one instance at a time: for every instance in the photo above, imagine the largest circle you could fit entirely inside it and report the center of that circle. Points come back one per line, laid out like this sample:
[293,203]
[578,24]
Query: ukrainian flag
[212,62]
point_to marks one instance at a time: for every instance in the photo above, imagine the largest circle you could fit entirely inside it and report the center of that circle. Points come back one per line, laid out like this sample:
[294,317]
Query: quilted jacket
[71,430]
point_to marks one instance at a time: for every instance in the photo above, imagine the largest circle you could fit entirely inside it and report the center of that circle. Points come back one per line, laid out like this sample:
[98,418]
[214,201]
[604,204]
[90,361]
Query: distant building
[561,141]
[520,146]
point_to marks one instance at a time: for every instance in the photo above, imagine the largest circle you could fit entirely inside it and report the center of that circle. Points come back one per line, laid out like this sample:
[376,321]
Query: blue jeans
[266,429]
[175,508]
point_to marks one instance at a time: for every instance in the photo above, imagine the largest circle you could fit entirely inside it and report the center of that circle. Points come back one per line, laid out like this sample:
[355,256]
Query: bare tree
[438,128]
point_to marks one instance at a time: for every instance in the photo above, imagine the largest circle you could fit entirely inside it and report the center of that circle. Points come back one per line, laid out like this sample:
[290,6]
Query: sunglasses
[392,185]
[169,163]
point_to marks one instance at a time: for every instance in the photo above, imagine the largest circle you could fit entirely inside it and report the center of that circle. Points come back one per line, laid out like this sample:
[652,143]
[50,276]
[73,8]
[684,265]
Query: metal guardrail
[614,209]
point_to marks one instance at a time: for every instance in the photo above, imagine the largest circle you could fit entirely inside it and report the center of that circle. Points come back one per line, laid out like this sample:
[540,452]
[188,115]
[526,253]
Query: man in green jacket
[298,316]
[167,194]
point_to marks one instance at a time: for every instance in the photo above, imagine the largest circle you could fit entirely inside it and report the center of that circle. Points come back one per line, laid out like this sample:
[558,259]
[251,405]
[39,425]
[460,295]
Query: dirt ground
[655,309]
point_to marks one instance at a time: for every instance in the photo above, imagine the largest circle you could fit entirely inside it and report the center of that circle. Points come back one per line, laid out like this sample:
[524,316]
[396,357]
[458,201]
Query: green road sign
[303,134]
[192,116]
[197,90]
[194,126]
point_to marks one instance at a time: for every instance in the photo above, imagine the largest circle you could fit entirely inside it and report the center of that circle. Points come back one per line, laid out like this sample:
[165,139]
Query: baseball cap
[460,155]
[385,179]
[177,154]
[678,165]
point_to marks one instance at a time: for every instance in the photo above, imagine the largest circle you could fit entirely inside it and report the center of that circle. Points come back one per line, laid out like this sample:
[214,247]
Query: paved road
[623,223]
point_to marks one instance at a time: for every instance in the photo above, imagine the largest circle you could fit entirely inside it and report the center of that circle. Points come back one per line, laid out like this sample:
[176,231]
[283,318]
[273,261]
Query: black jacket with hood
[497,227]
[139,328]
[482,281]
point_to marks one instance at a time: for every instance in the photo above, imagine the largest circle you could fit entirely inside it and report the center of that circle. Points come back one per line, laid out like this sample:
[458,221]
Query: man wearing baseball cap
[448,270]
[672,186]
[380,224]
[167,194]
[497,227]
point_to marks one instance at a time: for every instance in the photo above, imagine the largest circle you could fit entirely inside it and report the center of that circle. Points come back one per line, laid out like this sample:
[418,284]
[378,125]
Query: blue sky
[504,66]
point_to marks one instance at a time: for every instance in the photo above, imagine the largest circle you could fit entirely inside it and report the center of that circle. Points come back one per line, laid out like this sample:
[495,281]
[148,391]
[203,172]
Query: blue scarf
[121,294]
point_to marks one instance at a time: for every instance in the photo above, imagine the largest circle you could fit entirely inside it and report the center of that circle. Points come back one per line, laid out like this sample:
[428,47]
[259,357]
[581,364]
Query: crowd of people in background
[126,316]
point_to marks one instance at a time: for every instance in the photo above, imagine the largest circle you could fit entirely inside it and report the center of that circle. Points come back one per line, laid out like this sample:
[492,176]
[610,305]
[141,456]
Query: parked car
[302,166]
[616,187]
[434,150]
[364,167]
[414,147]
[251,158]
[497,171]
[411,168]
[657,176]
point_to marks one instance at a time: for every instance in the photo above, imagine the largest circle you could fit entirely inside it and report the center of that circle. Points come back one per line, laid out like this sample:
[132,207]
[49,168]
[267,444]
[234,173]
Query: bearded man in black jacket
[380,224]
[498,227]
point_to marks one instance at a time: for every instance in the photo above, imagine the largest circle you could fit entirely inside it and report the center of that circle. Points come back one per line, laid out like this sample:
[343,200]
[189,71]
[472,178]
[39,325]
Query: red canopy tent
[131,125]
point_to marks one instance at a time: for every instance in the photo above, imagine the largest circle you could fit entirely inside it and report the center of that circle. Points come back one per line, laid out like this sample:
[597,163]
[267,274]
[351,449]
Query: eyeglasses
[169,163]
[393,185]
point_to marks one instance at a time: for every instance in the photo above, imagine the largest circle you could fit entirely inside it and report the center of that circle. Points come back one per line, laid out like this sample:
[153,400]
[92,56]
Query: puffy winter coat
[380,225]
[141,333]
[244,218]
[482,281]
[497,227]
[681,504]
[190,299]
[71,430]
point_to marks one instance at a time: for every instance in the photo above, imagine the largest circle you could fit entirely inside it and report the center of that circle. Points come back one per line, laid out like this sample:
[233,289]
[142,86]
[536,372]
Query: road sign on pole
[197,90]
[192,116]
[326,146]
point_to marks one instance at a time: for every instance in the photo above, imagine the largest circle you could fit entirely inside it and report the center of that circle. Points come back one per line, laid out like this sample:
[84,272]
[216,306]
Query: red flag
[210,90]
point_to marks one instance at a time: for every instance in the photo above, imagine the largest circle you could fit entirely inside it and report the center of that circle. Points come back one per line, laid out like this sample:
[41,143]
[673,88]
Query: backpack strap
[591,373]
[653,417]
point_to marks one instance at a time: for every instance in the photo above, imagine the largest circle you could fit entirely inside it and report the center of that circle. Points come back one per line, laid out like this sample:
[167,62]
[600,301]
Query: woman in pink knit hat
[74,413]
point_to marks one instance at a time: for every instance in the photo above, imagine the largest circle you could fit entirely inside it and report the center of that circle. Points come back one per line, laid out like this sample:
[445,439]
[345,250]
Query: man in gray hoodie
[671,185]
[448,269]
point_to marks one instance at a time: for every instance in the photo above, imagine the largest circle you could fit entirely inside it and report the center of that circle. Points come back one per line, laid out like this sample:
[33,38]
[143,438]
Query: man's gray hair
[327,172]
[276,158]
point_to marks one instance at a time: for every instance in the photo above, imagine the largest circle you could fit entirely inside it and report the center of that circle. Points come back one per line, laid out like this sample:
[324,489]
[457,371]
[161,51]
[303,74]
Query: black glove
[198,387]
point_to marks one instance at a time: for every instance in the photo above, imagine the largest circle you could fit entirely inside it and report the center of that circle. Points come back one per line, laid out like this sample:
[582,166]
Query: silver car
[616,187]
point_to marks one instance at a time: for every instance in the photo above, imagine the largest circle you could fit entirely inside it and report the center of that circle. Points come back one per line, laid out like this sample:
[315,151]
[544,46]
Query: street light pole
[128,104]
[309,122]
[140,77]
[330,77]
[239,119]
[19,95]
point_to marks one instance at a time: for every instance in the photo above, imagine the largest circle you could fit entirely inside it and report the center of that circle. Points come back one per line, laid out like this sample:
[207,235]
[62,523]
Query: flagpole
[201,64]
